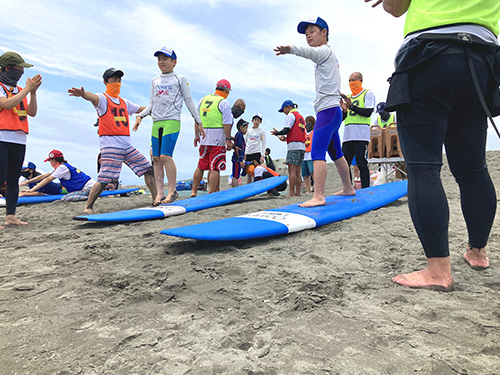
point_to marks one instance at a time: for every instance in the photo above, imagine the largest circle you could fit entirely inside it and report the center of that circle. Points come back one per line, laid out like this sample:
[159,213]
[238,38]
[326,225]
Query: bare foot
[11,220]
[476,258]
[346,192]
[424,280]
[314,202]
[88,211]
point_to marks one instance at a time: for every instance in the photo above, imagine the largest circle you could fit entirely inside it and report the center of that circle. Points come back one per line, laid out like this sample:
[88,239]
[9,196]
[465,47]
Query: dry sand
[81,298]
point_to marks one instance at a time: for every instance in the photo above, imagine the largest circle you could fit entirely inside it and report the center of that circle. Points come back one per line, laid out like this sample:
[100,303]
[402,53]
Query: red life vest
[309,141]
[17,117]
[115,120]
[297,132]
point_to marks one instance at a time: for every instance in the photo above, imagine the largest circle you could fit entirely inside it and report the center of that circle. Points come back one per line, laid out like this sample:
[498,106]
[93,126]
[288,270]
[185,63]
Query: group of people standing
[444,87]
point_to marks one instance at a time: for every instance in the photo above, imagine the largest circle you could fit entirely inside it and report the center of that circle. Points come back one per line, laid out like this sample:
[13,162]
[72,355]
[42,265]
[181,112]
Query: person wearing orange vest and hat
[294,133]
[443,90]
[214,136]
[114,136]
[307,165]
[14,112]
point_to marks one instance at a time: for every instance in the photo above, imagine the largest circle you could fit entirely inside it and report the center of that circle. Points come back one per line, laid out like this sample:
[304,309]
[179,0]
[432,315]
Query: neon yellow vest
[211,116]
[424,14]
[353,117]
[385,124]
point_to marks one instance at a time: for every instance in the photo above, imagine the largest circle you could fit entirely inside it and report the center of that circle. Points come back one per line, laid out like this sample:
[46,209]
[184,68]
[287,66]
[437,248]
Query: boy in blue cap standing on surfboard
[327,106]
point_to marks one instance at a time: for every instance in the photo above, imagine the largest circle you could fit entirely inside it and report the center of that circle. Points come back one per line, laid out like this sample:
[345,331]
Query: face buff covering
[356,87]
[224,94]
[113,89]
[11,76]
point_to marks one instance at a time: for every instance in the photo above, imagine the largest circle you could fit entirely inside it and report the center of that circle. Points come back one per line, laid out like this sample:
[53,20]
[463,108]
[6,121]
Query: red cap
[223,84]
[54,154]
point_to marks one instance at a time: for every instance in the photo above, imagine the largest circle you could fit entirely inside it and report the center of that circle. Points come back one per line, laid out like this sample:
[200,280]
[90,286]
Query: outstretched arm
[282,50]
[93,98]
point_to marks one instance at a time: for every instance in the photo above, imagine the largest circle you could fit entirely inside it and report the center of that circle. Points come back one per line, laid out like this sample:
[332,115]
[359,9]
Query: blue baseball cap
[318,21]
[167,52]
[381,107]
[285,103]
[29,164]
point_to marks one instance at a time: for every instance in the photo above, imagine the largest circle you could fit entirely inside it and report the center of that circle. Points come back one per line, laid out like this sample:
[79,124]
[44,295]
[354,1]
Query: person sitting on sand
[77,183]
[29,172]
[443,89]
[327,106]
[114,136]
[259,172]
[294,133]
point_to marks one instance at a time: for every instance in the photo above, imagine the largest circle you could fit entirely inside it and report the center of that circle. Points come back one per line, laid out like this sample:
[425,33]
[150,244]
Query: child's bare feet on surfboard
[476,258]
[346,192]
[314,202]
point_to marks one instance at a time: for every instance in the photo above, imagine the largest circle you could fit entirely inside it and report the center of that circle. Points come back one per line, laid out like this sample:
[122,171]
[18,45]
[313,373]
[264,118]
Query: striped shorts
[112,159]
[79,195]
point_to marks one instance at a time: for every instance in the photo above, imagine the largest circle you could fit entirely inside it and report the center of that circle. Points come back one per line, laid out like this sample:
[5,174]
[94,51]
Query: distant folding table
[390,166]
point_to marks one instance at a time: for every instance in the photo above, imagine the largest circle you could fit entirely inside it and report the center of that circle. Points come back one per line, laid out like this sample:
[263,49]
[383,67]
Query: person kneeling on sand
[114,136]
[259,172]
[77,183]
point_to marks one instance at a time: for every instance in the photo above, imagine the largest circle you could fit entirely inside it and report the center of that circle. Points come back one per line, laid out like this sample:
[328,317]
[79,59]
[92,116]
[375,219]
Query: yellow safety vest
[425,14]
[385,124]
[210,114]
[353,117]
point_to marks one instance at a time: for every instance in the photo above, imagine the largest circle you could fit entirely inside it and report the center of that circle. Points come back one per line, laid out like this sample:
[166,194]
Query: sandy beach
[85,298]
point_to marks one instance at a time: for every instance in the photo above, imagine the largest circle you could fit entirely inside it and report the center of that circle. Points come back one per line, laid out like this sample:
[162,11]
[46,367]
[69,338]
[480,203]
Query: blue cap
[30,165]
[285,103]
[167,52]
[318,21]
[381,107]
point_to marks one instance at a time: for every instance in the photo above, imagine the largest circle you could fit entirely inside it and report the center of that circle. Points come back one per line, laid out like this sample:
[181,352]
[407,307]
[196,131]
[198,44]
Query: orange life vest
[115,120]
[309,141]
[16,118]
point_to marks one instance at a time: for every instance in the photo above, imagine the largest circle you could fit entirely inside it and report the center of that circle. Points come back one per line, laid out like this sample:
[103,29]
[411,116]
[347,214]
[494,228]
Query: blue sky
[71,43]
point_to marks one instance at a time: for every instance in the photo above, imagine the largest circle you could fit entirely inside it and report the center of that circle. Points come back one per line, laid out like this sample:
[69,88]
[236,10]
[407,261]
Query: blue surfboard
[56,197]
[292,218]
[187,205]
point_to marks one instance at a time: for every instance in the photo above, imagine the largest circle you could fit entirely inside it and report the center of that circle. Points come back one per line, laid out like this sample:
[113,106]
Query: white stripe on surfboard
[294,222]
[167,210]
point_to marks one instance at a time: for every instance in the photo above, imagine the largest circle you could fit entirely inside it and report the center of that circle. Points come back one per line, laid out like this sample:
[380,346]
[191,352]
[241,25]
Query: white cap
[257,114]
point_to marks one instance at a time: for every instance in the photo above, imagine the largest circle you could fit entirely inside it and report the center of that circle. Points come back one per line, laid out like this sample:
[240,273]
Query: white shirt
[217,136]
[326,74]
[360,132]
[255,139]
[167,93]
[12,136]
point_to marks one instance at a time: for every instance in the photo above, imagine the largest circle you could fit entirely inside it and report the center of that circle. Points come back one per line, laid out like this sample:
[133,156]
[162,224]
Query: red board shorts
[212,158]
